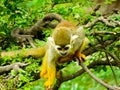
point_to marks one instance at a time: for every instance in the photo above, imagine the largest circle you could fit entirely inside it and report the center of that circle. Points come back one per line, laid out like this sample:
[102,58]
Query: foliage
[25,13]
[109,1]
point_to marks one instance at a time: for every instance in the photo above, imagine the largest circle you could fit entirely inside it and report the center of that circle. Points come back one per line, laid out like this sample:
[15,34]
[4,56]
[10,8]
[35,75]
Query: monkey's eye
[59,48]
[66,48]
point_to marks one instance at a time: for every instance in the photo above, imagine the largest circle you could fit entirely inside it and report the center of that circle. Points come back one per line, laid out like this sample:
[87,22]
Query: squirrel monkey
[65,41]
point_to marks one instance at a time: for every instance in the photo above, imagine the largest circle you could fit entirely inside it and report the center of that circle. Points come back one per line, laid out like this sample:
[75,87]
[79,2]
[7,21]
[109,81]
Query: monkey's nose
[63,53]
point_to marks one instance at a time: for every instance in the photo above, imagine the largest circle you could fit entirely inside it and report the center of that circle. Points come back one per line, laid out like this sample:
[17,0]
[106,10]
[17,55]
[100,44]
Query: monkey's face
[63,50]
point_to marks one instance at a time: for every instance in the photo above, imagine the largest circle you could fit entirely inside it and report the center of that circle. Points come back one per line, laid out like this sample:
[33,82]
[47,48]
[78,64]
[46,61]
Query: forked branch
[16,66]
[108,22]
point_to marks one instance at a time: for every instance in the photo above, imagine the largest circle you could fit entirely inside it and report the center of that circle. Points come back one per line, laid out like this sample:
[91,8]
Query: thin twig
[116,59]
[112,69]
[97,79]
[103,32]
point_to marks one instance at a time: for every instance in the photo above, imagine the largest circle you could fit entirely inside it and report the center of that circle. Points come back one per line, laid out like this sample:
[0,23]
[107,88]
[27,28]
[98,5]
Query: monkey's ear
[51,40]
[73,38]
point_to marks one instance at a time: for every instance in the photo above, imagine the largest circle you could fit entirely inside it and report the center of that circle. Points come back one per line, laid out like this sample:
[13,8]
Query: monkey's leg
[51,75]
[44,73]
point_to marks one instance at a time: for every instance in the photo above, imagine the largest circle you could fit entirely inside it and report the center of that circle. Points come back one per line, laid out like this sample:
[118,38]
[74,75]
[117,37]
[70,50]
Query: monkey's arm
[44,71]
[48,69]
[35,52]
[79,52]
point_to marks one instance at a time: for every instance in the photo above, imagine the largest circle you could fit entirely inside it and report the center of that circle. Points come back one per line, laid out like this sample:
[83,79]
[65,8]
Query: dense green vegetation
[25,13]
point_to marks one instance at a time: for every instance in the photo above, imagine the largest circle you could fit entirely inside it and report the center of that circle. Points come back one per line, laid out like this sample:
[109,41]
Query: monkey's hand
[51,73]
[81,56]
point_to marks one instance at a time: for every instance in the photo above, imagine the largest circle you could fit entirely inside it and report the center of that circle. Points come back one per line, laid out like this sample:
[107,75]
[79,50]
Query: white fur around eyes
[68,46]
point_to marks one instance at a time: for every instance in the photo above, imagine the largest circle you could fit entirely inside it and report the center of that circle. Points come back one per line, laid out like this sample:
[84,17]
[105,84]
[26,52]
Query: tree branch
[97,79]
[80,72]
[116,59]
[25,36]
[93,48]
[16,66]
[109,22]
[104,33]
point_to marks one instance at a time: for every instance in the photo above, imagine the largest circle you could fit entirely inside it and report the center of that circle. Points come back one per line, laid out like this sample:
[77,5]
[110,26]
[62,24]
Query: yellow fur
[44,71]
[51,73]
[48,71]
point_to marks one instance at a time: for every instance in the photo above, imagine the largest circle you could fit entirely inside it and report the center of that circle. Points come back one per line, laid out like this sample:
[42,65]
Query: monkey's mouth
[63,54]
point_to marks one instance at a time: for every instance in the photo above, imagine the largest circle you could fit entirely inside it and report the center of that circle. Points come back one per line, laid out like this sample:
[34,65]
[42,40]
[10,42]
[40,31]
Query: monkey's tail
[35,52]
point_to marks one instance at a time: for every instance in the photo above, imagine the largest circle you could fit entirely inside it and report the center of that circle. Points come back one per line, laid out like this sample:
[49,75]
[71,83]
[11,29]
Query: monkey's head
[62,40]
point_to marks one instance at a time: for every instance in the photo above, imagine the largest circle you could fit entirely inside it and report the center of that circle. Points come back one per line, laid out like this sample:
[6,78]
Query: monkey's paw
[82,57]
[48,84]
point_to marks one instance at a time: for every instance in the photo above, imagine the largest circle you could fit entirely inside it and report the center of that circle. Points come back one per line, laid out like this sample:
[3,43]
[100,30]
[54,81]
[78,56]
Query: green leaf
[2,33]
[104,68]
[13,72]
